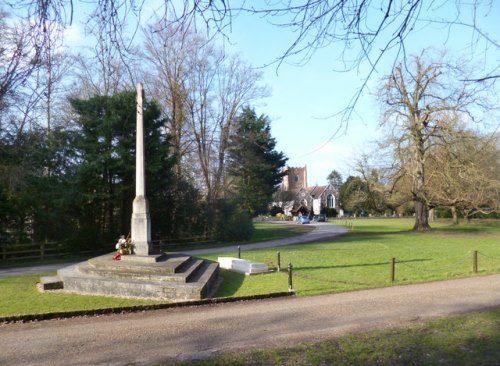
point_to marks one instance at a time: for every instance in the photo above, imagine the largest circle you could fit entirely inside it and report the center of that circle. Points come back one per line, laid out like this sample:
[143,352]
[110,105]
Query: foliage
[255,167]
[105,175]
[335,179]
[275,210]
[329,211]
[232,222]
[353,195]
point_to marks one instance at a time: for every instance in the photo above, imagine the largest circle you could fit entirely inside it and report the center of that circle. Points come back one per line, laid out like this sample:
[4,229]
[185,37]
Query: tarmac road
[196,332]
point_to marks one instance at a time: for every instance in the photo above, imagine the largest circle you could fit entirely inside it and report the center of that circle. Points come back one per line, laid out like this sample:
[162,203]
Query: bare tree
[167,51]
[358,31]
[19,56]
[463,175]
[219,86]
[418,103]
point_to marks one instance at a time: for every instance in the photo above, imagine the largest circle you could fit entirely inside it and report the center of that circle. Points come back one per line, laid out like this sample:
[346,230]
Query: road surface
[196,332]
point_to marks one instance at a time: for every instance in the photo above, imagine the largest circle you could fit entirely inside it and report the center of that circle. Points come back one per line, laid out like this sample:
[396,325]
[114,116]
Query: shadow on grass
[231,283]
[360,265]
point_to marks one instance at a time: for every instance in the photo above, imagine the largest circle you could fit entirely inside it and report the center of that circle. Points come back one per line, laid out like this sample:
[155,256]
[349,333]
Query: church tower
[295,178]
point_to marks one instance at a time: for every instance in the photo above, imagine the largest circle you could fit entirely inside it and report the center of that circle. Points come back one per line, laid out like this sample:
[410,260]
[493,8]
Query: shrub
[275,210]
[232,222]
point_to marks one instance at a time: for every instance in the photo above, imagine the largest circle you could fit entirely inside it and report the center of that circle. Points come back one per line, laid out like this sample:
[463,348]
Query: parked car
[319,218]
[303,220]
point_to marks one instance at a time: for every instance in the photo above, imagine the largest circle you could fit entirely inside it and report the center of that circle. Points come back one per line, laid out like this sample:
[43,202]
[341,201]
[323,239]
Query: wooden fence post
[474,261]
[393,268]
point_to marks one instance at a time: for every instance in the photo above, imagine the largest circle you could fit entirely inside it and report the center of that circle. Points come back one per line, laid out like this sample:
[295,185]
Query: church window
[330,201]
[296,178]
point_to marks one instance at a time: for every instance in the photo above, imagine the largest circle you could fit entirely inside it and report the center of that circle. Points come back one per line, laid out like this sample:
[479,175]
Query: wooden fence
[42,250]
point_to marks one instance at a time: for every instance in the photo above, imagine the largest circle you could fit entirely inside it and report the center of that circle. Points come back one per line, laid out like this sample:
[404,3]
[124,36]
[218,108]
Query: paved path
[322,231]
[151,337]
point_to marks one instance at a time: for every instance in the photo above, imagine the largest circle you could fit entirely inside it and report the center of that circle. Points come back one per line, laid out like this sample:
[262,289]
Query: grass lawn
[472,339]
[359,259]
[19,294]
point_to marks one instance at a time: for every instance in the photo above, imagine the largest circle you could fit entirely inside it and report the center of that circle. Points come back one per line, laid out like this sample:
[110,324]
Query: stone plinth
[171,276]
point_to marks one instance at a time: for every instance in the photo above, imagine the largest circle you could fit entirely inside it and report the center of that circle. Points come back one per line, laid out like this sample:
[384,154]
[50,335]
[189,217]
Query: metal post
[290,283]
[393,268]
[474,261]
[279,261]
[239,251]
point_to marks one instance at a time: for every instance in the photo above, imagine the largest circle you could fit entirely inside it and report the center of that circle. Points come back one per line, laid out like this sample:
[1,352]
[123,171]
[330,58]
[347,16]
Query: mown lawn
[472,339]
[361,258]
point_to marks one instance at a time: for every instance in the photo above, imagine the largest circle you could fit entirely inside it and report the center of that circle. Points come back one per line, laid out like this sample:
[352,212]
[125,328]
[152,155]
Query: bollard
[393,268]
[290,284]
[239,252]
[279,261]
[474,261]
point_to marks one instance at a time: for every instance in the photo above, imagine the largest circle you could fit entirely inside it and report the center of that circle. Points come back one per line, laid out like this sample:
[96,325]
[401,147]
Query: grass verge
[472,339]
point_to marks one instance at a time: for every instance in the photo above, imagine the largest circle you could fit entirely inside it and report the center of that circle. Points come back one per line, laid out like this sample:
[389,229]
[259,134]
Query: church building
[296,196]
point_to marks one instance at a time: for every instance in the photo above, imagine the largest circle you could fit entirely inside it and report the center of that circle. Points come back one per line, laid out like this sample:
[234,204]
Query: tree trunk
[431,215]
[421,217]
[454,214]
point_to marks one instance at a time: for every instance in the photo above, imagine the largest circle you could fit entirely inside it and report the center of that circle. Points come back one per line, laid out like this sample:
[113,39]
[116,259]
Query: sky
[305,100]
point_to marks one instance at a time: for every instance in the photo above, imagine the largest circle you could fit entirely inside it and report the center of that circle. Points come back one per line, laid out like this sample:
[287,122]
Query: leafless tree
[418,105]
[358,31]
[19,56]
[167,52]
[218,87]
[463,174]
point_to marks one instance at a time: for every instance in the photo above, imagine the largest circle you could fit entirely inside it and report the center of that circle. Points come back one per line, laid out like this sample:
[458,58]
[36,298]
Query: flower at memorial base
[125,246]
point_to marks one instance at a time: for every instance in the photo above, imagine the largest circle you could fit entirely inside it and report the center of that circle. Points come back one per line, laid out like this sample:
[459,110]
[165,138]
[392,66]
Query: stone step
[174,291]
[196,279]
[172,263]
[183,272]
[51,283]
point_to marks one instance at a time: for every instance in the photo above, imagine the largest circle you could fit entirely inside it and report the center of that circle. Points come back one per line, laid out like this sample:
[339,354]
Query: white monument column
[141,222]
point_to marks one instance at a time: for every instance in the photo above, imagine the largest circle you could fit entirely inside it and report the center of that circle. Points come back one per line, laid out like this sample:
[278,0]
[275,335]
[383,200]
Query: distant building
[295,196]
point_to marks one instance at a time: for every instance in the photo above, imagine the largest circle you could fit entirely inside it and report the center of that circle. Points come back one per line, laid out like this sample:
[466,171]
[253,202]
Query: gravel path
[196,332]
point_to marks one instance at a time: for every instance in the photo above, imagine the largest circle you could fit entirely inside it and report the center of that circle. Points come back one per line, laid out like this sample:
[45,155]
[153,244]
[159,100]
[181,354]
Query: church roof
[316,191]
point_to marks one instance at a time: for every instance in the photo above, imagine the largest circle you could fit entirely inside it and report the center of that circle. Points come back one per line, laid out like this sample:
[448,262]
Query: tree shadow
[298,268]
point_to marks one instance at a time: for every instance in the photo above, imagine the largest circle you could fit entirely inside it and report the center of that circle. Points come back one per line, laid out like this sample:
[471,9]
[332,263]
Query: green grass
[472,339]
[357,260]
[19,295]
[361,258]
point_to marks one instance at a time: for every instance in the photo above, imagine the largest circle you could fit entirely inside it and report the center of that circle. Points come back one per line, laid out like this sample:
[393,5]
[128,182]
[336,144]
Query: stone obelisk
[141,221]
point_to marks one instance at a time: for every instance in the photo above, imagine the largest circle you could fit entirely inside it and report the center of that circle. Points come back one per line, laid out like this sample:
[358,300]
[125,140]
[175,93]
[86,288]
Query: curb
[137,308]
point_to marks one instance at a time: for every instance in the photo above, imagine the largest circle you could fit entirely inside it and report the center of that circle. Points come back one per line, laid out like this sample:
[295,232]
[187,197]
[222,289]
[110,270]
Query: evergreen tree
[335,179]
[105,140]
[254,164]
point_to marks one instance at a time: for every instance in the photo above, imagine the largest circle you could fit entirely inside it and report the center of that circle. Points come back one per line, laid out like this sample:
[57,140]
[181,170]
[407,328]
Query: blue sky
[302,96]
[305,98]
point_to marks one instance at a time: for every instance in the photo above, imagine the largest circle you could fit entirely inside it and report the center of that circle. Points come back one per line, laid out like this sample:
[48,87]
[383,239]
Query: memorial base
[167,276]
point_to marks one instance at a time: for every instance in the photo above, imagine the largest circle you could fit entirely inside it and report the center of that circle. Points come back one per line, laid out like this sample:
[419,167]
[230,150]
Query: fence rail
[40,250]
